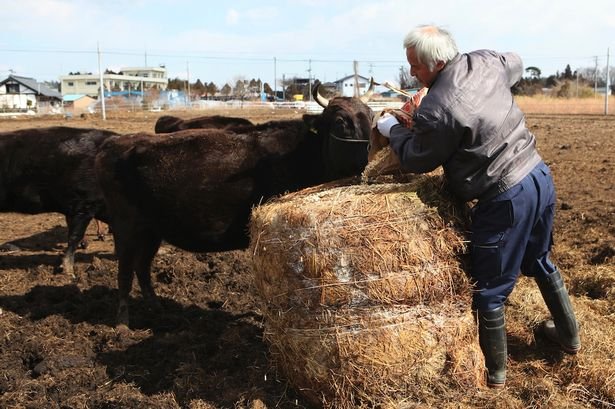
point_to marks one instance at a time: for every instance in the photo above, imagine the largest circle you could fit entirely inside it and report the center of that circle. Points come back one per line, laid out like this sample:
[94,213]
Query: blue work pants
[512,234]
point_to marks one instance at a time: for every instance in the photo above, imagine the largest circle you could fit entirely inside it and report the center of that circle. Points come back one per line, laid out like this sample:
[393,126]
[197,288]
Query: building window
[70,84]
[91,83]
[12,88]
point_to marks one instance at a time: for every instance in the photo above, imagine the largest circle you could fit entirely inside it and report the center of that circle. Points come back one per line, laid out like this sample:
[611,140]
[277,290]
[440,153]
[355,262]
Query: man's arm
[425,146]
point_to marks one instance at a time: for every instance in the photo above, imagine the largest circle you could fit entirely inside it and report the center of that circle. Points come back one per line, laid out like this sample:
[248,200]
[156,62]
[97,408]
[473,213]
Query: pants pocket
[487,258]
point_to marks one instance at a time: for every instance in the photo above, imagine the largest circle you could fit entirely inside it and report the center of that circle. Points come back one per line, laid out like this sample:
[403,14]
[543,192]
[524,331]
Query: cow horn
[368,94]
[322,101]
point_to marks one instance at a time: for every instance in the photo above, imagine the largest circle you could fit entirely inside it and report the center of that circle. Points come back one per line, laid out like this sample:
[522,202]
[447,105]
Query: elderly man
[470,124]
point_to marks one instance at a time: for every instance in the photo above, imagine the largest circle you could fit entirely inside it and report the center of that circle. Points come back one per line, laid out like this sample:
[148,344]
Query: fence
[529,105]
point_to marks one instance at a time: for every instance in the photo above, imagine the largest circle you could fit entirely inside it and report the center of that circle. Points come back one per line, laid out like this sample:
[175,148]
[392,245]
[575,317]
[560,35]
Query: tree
[533,72]
[291,87]
[198,88]
[254,85]
[551,81]
[240,90]
[568,73]
[176,83]
[226,90]
[211,89]
[527,86]
[406,80]
[53,84]
[267,89]
[151,96]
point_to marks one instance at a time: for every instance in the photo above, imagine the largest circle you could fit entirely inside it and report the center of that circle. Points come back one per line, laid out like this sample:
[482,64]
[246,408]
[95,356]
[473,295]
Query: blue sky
[222,41]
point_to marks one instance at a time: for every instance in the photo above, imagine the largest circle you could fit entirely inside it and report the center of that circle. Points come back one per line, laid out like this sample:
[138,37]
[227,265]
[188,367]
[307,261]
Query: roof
[34,85]
[74,97]
[351,76]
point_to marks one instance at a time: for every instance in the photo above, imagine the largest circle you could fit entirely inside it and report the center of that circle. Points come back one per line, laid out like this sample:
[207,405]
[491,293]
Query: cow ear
[311,121]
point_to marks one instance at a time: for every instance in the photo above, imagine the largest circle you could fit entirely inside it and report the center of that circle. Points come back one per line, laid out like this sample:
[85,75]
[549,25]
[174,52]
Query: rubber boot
[563,329]
[492,338]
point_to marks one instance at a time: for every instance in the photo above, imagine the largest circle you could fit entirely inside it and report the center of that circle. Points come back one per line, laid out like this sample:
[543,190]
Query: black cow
[52,170]
[168,123]
[195,188]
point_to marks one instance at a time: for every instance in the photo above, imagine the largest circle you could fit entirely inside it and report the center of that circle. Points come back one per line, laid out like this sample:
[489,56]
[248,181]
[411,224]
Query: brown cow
[52,170]
[168,123]
[195,188]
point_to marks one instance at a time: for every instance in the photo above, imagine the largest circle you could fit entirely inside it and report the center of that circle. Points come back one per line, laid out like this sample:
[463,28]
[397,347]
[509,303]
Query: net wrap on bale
[364,294]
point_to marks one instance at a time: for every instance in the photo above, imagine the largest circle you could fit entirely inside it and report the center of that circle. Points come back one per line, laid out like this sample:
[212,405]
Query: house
[129,80]
[78,103]
[23,94]
[346,86]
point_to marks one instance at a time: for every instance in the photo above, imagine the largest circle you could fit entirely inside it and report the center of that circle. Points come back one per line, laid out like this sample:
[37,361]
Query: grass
[547,105]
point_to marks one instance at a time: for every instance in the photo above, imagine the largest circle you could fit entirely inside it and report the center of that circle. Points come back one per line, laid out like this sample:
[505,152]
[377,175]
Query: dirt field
[59,347]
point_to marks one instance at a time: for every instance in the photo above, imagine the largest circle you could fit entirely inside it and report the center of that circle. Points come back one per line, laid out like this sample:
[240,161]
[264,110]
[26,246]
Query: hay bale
[364,293]
[358,245]
[368,356]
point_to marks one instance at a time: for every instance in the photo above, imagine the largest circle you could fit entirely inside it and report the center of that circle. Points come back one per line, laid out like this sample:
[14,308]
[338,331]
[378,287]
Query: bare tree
[226,90]
[406,80]
[240,90]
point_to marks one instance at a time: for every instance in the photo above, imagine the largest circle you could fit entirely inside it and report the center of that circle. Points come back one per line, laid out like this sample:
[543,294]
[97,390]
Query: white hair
[431,44]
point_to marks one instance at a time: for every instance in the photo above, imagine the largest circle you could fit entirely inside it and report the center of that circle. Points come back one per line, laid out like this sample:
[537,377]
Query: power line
[195,56]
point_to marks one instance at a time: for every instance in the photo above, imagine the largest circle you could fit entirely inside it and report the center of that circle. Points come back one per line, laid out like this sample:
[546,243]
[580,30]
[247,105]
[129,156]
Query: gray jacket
[470,124]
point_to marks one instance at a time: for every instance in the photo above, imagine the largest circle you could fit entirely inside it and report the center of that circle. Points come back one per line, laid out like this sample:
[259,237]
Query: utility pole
[606,88]
[310,78]
[102,87]
[275,80]
[355,65]
[596,76]
[188,82]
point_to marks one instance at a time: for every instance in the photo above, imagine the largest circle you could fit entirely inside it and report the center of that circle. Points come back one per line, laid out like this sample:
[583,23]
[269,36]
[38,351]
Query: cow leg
[148,247]
[100,234]
[77,225]
[125,276]
[135,252]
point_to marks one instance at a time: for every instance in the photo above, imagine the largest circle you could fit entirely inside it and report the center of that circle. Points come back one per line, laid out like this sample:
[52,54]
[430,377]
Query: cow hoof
[65,269]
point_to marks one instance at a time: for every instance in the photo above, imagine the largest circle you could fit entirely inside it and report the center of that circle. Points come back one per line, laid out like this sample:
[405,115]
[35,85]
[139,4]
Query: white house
[346,86]
[22,94]
[130,80]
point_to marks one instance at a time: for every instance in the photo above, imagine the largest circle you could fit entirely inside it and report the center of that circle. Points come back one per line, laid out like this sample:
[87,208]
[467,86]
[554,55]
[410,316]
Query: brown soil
[59,347]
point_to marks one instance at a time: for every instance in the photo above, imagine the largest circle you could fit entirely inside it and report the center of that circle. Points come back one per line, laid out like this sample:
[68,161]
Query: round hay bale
[364,294]
[357,245]
[369,356]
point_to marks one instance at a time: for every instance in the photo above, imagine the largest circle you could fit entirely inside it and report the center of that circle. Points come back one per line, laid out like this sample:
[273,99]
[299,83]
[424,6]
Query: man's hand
[385,123]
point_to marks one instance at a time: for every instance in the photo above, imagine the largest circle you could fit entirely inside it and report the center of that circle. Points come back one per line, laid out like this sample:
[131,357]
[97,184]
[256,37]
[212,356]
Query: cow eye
[339,126]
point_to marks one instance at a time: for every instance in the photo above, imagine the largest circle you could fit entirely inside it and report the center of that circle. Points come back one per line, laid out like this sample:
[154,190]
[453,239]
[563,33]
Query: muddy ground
[60,348]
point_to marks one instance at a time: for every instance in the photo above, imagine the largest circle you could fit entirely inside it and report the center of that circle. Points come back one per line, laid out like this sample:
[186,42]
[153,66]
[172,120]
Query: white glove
[385,123]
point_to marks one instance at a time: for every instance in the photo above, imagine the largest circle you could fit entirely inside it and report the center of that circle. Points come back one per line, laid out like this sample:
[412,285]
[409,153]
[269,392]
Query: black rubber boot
[492,338]
[563,329]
